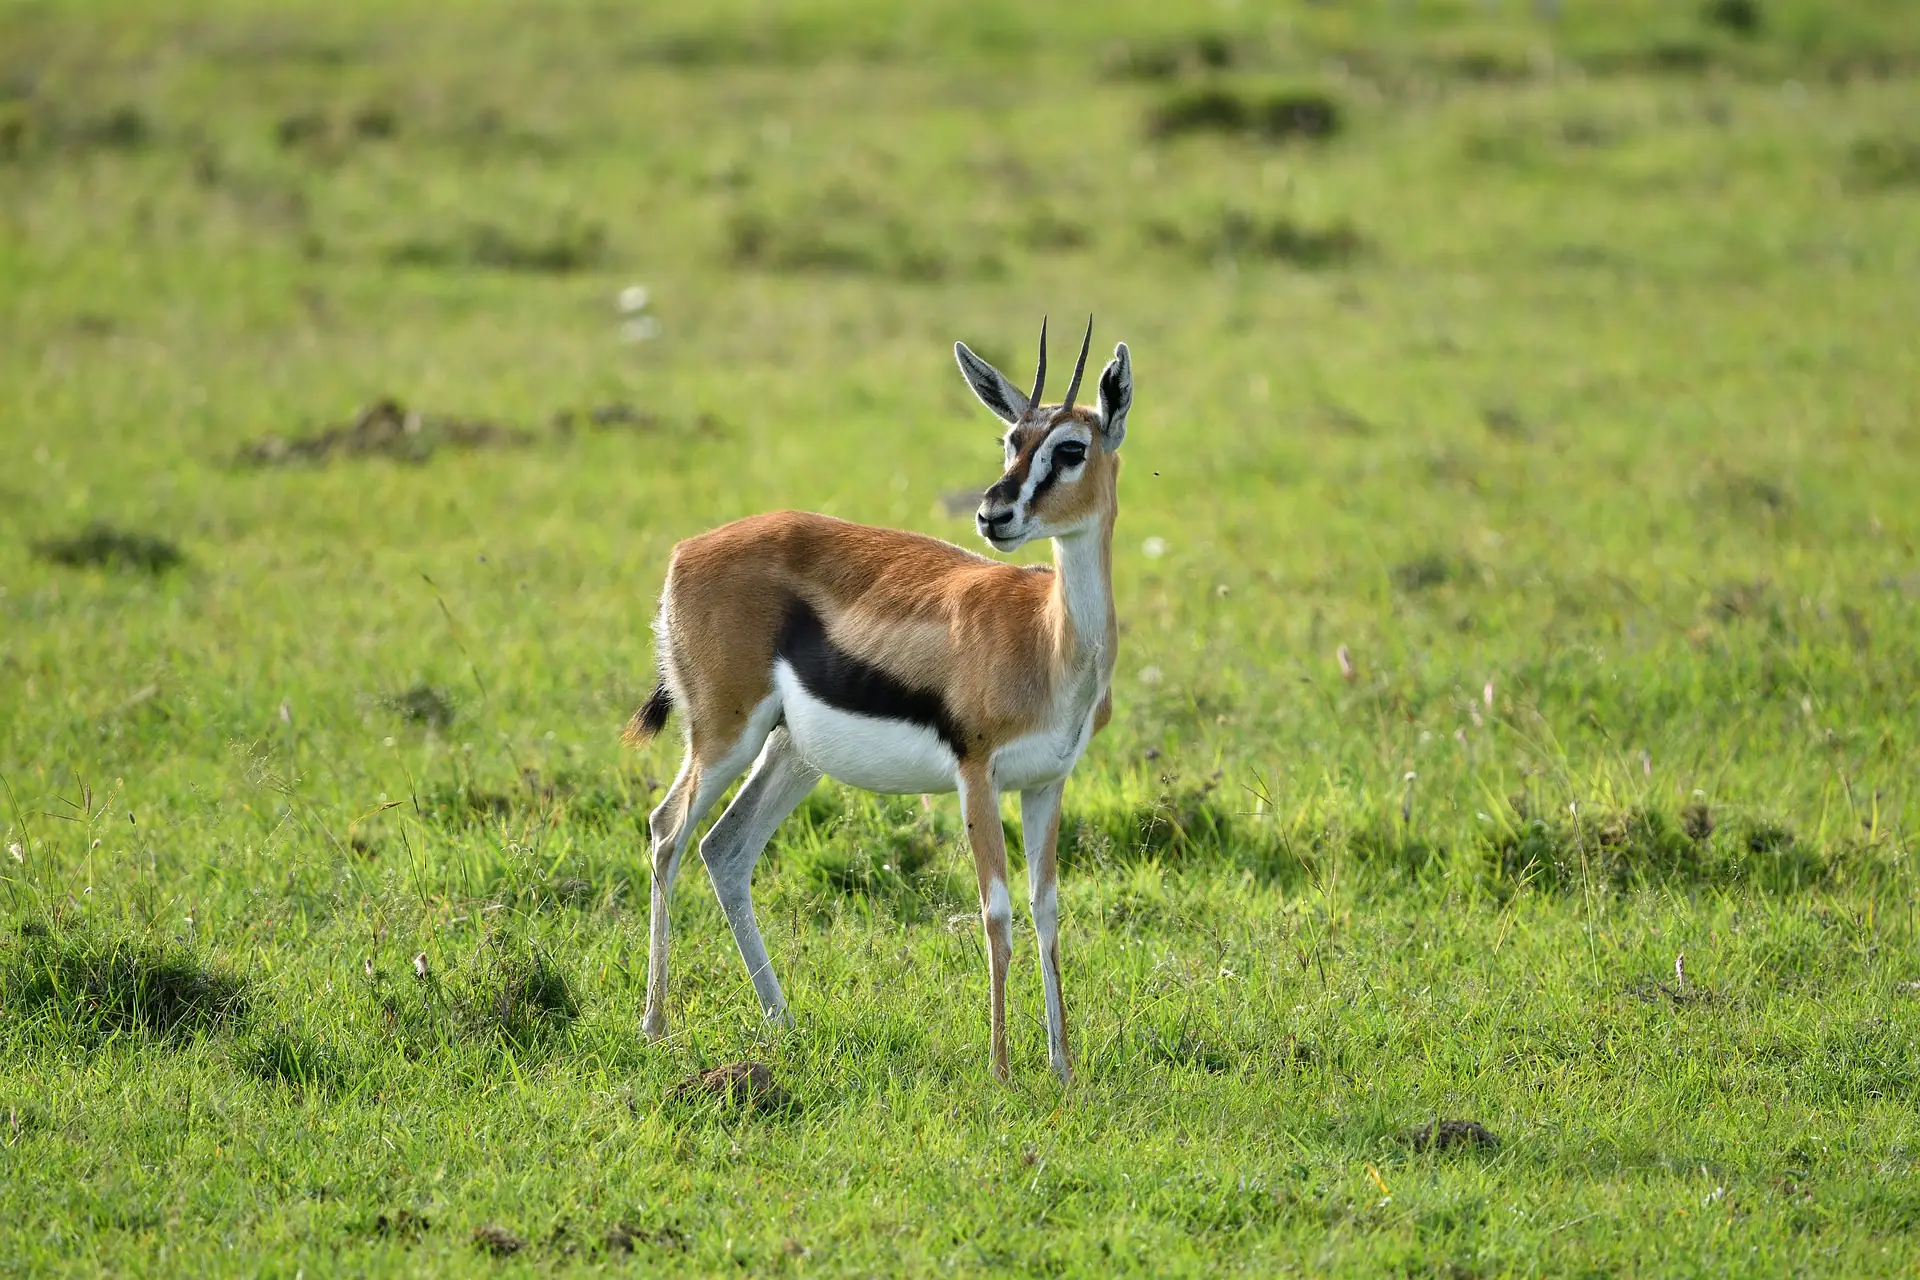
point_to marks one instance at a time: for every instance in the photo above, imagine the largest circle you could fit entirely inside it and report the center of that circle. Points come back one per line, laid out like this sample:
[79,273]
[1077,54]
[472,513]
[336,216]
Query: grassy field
[1517,571]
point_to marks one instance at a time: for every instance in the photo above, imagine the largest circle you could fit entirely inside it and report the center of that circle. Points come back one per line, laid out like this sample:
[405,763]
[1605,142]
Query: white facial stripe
[1043,460]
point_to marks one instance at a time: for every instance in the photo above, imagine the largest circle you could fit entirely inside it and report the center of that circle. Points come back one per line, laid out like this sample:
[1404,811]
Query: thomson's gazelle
[803,645]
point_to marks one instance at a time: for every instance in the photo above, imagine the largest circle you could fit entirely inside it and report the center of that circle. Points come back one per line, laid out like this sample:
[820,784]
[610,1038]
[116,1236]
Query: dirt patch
[748,1086]
[623,1237]
[402,1224]
[1446,1135]
[103,546]
[386,428]
[497,1241]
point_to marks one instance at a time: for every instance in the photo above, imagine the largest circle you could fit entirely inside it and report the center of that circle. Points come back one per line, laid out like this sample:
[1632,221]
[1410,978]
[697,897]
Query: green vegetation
[1517,565]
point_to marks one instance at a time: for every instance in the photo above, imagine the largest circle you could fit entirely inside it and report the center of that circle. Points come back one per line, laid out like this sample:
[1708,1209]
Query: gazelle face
[1061,460]
[1058,479]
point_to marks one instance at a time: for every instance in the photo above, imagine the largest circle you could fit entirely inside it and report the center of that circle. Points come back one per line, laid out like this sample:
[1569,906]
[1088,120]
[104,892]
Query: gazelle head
[1061,463]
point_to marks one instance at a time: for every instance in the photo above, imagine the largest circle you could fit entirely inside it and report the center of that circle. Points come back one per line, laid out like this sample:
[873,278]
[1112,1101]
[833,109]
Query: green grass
[1558,373]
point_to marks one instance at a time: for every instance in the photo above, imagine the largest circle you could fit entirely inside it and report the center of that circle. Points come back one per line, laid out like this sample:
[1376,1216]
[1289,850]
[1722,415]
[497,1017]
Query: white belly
[898,757]
[1043,757]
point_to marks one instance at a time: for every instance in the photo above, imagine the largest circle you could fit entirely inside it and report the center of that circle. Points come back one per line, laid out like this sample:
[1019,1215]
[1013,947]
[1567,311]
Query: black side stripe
[841,680]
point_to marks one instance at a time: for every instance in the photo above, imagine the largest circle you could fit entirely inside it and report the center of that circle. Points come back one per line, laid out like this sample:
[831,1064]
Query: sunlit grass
[1516,568]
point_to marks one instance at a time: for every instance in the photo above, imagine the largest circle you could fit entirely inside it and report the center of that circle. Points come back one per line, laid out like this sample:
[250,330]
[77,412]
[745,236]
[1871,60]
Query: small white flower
[420,969]
[1149,675]
[634,298]
[1153,548]
[19,854]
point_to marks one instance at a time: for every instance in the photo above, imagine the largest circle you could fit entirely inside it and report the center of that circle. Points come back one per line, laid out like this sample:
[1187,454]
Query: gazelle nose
[994,520]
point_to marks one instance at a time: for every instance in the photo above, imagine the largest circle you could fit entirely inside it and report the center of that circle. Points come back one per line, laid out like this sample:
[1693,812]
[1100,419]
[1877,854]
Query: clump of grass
[1641,848]
[1742,493]
[1203,51]
[281,1055]
[849,237]
[1232,234]
[97,983]
[422,704]
[1186,821]
[1885,163]
[105,546]
[1424,572]
[1301,114]
[1681,57]
[557,797]
[1741,17]
[374,122]
[32,129]
[506,992]
[1622,850]
[566,248]
[892,858]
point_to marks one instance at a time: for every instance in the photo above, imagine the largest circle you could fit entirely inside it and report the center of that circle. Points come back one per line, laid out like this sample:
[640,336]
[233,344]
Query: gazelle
[806,646]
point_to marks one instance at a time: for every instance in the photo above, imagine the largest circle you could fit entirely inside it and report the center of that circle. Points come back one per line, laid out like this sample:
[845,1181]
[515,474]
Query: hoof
[654,1027]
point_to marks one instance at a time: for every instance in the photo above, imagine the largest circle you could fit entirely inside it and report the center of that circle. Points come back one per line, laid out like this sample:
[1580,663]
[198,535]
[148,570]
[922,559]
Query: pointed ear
[994,390]
[1116,397]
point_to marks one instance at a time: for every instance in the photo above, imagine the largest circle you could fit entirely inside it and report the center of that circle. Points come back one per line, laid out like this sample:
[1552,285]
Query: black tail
[651,718]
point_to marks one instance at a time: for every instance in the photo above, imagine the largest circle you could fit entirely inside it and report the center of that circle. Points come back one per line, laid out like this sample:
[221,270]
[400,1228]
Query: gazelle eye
[1070,453]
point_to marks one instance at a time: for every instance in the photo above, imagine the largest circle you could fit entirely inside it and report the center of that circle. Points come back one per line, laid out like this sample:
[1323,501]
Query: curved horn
[1040,374]
[1080,367]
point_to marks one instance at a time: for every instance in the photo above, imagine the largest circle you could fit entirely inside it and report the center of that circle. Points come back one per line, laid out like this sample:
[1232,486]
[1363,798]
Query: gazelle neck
[1083,588]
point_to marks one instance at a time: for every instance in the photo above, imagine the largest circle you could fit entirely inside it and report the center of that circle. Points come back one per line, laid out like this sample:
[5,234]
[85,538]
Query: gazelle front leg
[980,804]
[1040,834]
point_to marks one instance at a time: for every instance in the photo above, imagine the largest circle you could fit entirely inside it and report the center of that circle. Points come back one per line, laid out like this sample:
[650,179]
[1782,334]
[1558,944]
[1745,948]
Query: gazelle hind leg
[1040,834]
[668,826]
[779,782]
[693,792]
[980,805]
